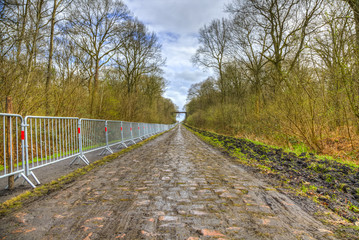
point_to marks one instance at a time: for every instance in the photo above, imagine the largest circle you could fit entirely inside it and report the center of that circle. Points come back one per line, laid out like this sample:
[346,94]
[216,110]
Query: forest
[83,58]
[285,72]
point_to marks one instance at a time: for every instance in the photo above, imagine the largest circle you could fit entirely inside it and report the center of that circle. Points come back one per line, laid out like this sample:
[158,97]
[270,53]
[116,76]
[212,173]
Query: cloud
[182,16]
[176,23]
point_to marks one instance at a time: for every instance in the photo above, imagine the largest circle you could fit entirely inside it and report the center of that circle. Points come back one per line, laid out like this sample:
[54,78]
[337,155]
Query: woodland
[285,72]
[83,58]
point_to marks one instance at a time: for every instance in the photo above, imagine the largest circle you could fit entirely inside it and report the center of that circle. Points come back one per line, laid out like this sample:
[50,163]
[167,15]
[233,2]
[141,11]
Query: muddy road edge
[343,228]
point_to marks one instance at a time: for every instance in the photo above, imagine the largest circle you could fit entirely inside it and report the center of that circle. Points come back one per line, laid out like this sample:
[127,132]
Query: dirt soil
[333,184]
[174,187]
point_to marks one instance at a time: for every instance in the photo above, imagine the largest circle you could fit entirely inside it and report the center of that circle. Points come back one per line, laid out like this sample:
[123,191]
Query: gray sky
[176,23]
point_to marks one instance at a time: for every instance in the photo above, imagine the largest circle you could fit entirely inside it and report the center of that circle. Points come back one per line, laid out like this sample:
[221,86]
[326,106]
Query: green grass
[349,163]
[305,188]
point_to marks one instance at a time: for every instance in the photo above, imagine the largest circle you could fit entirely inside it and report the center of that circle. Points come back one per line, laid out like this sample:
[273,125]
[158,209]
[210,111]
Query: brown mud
[174,187]
[333,184]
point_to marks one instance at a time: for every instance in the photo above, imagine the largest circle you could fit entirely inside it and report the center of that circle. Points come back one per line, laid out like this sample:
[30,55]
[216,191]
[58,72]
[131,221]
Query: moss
[353,208]
[18,201]
[329,178]
[317,167]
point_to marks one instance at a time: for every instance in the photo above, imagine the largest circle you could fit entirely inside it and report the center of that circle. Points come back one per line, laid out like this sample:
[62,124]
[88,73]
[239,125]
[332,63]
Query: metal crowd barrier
[12,146]
[49,140]
[34,142]
[136,131]
[115,134]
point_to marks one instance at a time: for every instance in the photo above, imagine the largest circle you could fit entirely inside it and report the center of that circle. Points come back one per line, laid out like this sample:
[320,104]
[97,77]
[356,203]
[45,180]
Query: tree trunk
[95,89]
[22,31]
[8,143]
[49,64]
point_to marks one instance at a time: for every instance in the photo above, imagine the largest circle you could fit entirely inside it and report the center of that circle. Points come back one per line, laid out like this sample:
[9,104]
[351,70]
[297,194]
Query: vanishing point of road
[173,187]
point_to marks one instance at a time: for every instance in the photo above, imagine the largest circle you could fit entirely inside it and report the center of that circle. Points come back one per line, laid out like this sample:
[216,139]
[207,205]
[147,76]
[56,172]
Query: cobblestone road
[174,187]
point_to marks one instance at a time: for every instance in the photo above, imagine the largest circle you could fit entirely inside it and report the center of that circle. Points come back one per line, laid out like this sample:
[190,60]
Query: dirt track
[174,187]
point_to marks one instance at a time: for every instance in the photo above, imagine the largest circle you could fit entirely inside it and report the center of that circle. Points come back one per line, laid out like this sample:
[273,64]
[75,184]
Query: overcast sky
[176,23]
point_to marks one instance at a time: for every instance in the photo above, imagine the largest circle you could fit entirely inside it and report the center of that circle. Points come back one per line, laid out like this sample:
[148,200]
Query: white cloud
[180,16]
[177,22]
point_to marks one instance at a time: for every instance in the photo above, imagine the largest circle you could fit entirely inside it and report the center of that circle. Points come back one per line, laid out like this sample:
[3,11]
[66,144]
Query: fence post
[108,149]
[122,141]
[25,147]
[144,130]
[131,130]
[25,153]
[139,131]
[81,155]
[131,133]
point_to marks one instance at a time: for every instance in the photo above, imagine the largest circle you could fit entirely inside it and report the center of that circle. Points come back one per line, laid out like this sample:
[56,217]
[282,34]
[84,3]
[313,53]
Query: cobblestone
[174,187]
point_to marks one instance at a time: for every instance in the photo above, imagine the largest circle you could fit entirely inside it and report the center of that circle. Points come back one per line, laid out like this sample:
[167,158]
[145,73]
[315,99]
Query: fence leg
[26,179]
[81,157]
[107,149]
[121,143]
[33,175]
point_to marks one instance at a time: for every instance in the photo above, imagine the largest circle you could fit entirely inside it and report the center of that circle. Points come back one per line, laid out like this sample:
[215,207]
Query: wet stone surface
[335,184]
[174,187]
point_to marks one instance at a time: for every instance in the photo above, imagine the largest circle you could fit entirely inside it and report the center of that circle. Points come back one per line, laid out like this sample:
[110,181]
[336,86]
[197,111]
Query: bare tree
[93,26]
[214,49]
[58,7]
[284,25]
[249,49]
[140,55]
[137,59]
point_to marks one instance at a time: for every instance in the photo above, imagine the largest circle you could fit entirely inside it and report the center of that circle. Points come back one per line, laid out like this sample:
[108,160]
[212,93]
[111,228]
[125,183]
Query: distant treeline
[286,70]
[83,58]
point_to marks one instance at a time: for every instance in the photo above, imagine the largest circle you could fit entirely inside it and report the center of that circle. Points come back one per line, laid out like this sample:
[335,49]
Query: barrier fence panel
[114,131]
[37,141]
[12,151]
[127,132]
[49,140]
[93,133]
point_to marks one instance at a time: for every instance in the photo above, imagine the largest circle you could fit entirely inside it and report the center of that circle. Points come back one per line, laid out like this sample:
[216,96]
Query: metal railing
[33,142]
[49,140]
[12,149]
